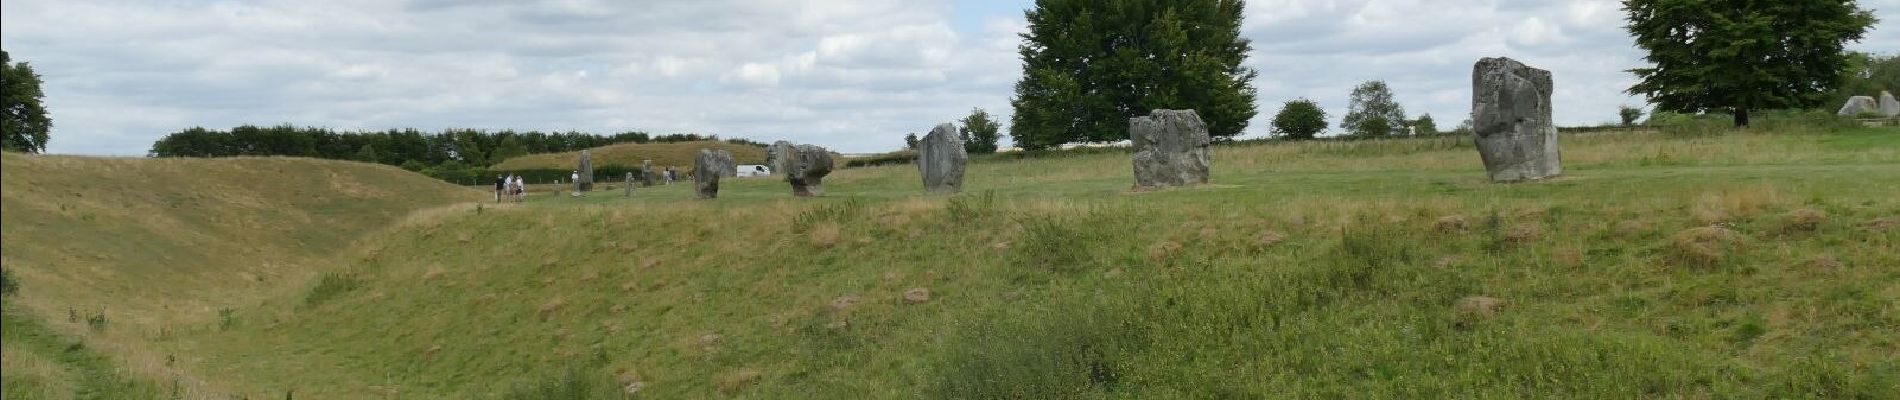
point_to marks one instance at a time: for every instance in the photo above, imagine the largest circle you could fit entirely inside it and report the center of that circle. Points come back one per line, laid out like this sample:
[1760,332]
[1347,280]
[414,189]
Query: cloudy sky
[854,75]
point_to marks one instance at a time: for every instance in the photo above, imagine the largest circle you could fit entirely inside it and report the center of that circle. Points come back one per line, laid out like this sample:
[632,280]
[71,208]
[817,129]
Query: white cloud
[854,75]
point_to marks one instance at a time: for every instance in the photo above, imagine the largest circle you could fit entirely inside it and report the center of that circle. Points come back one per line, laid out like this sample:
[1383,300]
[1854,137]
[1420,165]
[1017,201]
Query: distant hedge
[892,158]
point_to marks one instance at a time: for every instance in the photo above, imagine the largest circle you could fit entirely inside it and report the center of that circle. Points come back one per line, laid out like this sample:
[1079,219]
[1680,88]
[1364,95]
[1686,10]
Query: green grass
[125,255]
[41,364]
[1306,270]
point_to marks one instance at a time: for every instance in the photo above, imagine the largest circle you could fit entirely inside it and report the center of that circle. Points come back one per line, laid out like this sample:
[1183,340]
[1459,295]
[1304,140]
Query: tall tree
[508,147]
[366,154]
[1424,126]
[1868,75]
[1299,119]
[1373,112]
[1629,115]
[910,141]
[1090,65]
[980,132]
[22,115]
[1742,55]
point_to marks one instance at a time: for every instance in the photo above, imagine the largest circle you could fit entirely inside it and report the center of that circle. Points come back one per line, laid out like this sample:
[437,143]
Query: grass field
[678,154]
[1747,265]
[153,249]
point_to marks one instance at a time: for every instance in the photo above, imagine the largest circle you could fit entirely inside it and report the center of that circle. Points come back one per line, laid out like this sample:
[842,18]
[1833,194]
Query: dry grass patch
[1705,246]
[732,382]
[1524,233]
[824,235]
[1803,220]
[1163,250]
[1451,224]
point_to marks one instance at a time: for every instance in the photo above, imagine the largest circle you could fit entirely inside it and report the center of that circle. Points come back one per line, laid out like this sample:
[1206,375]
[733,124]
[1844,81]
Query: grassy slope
[678,155]
[158,246]
[1306,270]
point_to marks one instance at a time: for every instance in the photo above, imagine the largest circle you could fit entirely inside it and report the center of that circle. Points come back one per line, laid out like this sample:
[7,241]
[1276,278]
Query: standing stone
[772,156]
[1170,149]
[706,169]
[941,158]
[805,167]
[1888,106]
[646,173]
[1510,113]
[629,185]
[586,181]
[1858,105]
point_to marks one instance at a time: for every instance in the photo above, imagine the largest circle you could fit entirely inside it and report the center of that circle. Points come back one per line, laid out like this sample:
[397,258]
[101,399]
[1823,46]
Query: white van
[745,171]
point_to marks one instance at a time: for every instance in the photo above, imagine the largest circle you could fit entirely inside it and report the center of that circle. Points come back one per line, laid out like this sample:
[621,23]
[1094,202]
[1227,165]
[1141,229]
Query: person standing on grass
[521,189]
[500,185]
[576,178]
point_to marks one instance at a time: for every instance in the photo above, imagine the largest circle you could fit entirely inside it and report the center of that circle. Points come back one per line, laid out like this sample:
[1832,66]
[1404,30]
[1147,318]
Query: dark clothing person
[500,185]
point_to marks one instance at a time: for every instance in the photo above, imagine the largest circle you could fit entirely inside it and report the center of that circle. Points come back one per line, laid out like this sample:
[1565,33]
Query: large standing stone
[586,169]
[1170,148]
[1858,105]
[1888,105]
[646,173]
[706,169]
[940,157]
[1510,113]
[805,166]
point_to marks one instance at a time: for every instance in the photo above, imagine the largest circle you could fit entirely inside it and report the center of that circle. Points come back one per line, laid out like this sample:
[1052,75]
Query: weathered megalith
[805,166]
[586,170]
[1170,148]
[1888,105]
[941,158]
[1858,105]
[706,171]
[1510,113]
[772,157]
[646,173]
[629,184]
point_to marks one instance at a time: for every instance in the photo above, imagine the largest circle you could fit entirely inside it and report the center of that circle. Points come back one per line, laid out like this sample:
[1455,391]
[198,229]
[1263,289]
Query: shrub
[1064,351]
[833,212]
[1630,115]
[578,381]
[8,284]
[1057,244]
[1299,119]
[97,322]
[891,158]
[332,284]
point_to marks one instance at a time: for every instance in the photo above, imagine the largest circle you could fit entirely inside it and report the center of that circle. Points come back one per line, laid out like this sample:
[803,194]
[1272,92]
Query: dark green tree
[1299,119]
[1742,55]
[1629,115]
[508,148]
[1424,126]
[980,132]
[1868,75]
[1372,101]
[910,141]
[22,114]
[366,154]
[1372,126]
[1090,65]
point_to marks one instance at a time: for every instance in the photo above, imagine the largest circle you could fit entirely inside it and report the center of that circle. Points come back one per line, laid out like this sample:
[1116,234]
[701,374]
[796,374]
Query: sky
[852,75]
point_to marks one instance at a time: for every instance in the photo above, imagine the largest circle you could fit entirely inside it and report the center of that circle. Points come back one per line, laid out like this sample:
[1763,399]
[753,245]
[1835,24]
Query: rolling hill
[1742,265]
[155,247]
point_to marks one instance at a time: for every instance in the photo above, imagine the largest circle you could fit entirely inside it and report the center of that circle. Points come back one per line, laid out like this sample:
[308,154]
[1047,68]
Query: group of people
[510,188]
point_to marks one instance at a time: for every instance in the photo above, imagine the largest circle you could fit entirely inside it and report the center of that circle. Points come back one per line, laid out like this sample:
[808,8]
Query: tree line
[449,154]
